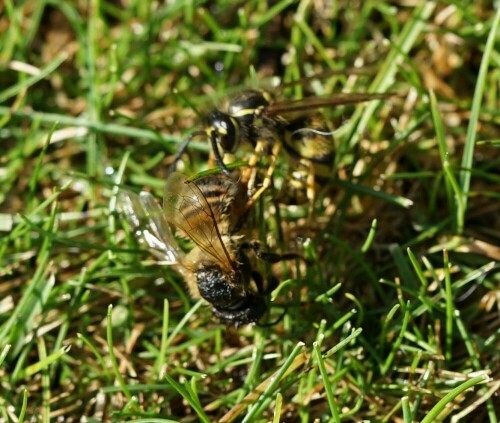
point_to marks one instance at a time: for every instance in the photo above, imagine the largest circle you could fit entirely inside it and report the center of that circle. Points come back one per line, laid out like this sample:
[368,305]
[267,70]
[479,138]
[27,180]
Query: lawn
[390,314]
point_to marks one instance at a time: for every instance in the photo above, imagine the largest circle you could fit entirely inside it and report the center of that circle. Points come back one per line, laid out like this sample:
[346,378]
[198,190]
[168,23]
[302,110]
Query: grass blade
[326,381]
[432,416]
[468,154]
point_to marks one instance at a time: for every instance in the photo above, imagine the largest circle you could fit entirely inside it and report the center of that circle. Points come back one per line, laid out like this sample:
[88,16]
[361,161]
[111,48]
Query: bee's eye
[226,129]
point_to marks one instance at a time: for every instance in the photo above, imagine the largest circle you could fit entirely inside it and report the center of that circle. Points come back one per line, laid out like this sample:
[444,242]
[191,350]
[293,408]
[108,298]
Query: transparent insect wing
[187,208]
[146,218]
[312,103]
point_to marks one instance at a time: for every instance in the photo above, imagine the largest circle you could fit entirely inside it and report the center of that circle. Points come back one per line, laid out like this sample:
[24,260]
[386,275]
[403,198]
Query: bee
[256,118]
[210,212]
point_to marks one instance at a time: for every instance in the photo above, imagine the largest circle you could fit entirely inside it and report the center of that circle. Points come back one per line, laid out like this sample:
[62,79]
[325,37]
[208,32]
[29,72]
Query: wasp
[210,212]
[258,119]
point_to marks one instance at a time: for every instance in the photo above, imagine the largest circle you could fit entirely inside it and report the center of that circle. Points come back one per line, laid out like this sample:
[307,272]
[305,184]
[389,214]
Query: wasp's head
[223,130]
[247,105]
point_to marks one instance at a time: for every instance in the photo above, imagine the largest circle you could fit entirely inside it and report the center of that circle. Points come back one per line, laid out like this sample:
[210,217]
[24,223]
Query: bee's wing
[309,104]
[146,218]
[187,208]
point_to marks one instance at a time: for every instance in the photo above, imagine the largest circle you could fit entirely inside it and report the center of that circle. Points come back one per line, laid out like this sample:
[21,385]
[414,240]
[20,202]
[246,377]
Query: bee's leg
[266,183]
[272,283]
[259,282]
[267,256]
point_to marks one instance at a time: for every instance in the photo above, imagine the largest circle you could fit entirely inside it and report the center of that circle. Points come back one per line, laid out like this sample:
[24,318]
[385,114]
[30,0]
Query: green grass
[394,317]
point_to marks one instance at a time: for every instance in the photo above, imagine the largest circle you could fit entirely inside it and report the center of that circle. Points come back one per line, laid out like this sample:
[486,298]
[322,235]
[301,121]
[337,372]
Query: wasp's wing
[365,70]
[187,208]
[145,217]
[308,104]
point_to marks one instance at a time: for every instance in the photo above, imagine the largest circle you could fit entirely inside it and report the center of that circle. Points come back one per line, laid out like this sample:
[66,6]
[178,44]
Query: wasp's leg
[258,152]
[310,186]
[266,183]
[301,187]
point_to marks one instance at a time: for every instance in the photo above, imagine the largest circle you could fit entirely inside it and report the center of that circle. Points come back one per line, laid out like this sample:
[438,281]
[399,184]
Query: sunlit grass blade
[407,417]
[493,390]
[255,368]
[370,237]
[183,322]
[433,414]
[450,308]
[393,199]
[291,364]
[112,356]
[354,334]
[255,398]
[28,82]
[326,381]
[460,199]
[471,350]
[386,367]
[104,127]
[187,395]
[277,408]
[34,178]
[386,324]
[444,154]
[385,77]
[24,406]
[403,266]
[44,363]
[22,321]
[164,338]
[270,13]
[468,154]
[98,356]
[418,270]
[4,353]
[46,395]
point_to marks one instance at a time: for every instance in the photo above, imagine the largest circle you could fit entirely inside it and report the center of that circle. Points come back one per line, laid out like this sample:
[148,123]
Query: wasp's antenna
[218,158]
[312,131]
[180,151]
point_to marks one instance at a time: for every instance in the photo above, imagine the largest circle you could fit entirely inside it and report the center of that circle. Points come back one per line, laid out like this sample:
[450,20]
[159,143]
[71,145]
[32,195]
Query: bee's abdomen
[225,197]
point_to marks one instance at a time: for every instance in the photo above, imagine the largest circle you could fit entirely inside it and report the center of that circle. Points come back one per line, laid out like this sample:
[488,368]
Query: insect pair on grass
[212,210]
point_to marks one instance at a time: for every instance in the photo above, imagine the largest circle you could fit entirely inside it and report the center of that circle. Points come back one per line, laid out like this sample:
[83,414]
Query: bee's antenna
[218,158]
[182,148]
[266,325]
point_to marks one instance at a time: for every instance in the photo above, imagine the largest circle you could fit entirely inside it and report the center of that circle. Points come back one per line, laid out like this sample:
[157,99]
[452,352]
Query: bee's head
[249,310]
[220,287]
[232,302]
